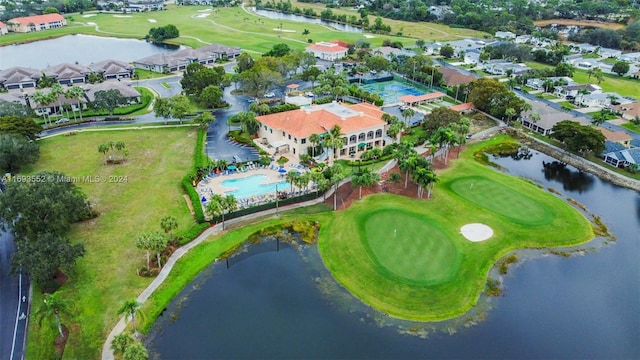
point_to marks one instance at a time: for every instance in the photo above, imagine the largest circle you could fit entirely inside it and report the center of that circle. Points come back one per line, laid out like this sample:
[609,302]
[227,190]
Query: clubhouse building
[361,125]
[36,23]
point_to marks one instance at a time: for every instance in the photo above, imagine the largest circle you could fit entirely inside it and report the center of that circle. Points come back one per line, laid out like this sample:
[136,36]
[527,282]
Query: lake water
[299,18]
[280,305]
[81,49]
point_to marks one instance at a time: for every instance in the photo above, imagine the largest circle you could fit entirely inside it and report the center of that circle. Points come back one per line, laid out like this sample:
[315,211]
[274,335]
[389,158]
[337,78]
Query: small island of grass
[407,257]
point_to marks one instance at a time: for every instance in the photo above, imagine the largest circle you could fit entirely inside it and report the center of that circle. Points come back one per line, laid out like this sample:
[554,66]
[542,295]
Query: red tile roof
[341,43]
[2,25]
[462,107]
[413,99]
[38,19]
[303,123]
[615,136]
[327,49]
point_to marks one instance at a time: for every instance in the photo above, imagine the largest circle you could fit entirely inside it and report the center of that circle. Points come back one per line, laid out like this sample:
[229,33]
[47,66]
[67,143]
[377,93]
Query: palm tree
[401,154]
[443,137]
[249,123]
[57,91]
[131,308]
[53,305]
[135,351]
[334,140]
[157,243]
[407,113]
[292,178]
[104,149]
[336,175]
[509,113]
[168,224]
[76,93]
[597,73]
[219,206]
[314,139]
[121,342]
[143,242]
[42,100]
[364,177]
[395,129]
[375,154]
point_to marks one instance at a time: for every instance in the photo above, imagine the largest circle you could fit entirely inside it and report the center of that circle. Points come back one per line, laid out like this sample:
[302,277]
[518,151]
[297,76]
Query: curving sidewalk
[107,353]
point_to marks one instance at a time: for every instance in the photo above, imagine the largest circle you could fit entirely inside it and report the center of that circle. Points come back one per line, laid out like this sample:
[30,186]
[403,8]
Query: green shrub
[191,233]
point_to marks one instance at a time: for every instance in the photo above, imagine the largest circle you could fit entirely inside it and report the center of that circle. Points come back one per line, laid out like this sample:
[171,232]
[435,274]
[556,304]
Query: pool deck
[213,185]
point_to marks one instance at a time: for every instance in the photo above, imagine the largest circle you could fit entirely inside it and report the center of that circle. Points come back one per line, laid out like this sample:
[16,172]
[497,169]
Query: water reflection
[298,18]
[571,180]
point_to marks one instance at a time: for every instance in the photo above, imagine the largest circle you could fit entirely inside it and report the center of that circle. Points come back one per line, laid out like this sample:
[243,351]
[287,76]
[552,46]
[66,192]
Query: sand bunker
[203,15]
[122,16]
[91,23]
[152,20]
[88,15]
[284,30]
[369,36]
[476,232]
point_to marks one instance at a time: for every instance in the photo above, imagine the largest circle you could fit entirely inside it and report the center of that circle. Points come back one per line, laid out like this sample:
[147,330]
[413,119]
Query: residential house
[504,67]
[57,106]
[572,90]
[623,158]
[630,57]
[328,51]
[18,77]
[537,84]
[179,60]
[3,28]
[112,69]
[609,53]
[628,111]
[289,131]
[144,5]
[472,56]
[16,97]
[125,89]
[506,35]
[433,48]
[453,77]
[523,39]
[585,48]
[413,100]
[549,116]
[390,53]
[600,99]
[465,45]
[36,23]
[619,137]
[464,108]
[68,74]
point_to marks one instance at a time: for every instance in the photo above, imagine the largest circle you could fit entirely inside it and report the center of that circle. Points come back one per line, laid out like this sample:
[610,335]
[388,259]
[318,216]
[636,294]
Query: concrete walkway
[107,353]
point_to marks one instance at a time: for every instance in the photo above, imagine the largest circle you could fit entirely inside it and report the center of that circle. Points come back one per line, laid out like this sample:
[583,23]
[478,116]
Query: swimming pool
[253,185]
[391,91]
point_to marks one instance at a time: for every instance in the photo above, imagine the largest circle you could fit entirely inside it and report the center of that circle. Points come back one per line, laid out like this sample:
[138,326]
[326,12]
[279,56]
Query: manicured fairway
[502,200]
[409,246]
[407,257]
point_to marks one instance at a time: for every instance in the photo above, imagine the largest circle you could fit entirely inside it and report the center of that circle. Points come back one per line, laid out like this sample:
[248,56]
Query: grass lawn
[106,275]
[427,271]
[548,96]
[608,114]
[631,126]
[567,105]
[233,27]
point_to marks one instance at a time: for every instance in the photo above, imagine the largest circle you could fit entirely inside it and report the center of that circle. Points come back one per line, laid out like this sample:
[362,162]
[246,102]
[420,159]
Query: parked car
[269,95]
[404,107]
[61,121]
[309,94]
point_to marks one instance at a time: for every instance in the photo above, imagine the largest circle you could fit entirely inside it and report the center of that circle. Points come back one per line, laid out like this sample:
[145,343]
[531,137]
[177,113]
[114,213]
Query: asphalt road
[13,327]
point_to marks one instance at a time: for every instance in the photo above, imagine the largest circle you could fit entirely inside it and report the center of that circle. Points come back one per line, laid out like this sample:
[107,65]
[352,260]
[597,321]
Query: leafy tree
[564,69]
[53,306]
[440,117]
[278,50]
[180,107]
[248,122]
[46,202]
[41,257]
[211,97]
[489,95]
[9,108]
[160,34]
[620,68]
[135,352]
[157,243]
[447,51]
[204,119]
[579,138]
[245,62]
[21,126]
[108,100]
[258,79]
[50,10]
[121,342]
[16,151]
[377,63]
[131,308]
[144,242]
[198,77]
[364,177]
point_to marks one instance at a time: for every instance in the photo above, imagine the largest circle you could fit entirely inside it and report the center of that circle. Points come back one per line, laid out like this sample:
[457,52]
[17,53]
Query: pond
[81,49]
[271,304]
[299,18]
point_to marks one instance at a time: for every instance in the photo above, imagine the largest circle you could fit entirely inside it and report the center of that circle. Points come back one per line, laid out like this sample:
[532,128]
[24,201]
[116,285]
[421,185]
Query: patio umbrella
[361,145]
[232,167]
[282,170]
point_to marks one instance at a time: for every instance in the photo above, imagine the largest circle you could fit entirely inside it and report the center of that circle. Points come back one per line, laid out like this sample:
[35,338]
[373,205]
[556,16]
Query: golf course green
[407,257]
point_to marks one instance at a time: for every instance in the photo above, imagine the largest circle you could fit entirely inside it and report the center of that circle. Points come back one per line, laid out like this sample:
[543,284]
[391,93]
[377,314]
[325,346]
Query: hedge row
[354,163]
[267,206]
[199,161]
